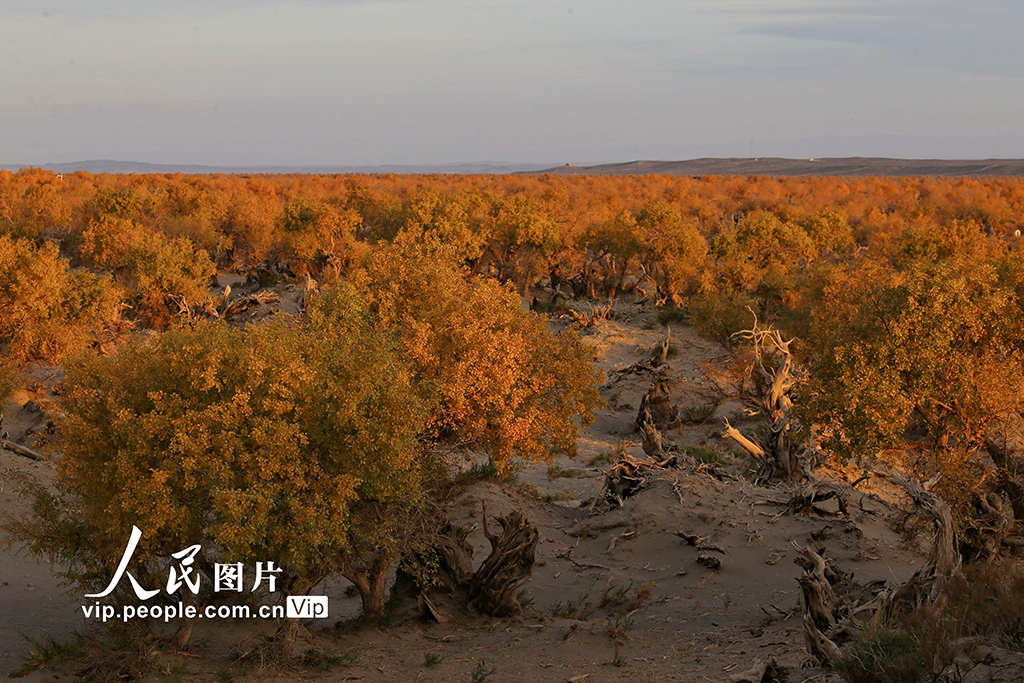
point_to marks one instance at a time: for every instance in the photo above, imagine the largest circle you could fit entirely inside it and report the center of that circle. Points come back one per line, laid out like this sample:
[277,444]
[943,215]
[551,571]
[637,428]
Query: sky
[370,82]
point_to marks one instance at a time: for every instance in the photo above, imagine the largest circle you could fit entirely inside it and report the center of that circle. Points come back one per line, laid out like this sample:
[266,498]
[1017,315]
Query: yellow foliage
[496,377]
[49,310]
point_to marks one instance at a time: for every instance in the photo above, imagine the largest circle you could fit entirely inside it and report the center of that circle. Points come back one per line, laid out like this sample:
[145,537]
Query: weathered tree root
[925,587]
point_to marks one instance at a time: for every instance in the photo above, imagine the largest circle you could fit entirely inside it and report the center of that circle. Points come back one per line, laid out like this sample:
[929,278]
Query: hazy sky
[339,82]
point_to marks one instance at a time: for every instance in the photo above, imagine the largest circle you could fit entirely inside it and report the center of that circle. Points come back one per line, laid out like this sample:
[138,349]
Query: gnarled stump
[818,644]
[509,565]
[653,444]
[455,558]
[819,602]
[925,586]
[819,599]
[779,457]
[624,479]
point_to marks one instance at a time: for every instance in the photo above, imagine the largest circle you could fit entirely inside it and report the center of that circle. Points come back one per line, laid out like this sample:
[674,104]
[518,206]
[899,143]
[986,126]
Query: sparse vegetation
[580,609]
[482,673]
[524,599]
[708,456]
[559,472]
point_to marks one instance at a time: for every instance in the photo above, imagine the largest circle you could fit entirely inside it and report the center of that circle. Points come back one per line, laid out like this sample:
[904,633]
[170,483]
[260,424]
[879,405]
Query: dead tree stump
[656,405]
[509,565]
[779,456]
[661,351]
[625,479]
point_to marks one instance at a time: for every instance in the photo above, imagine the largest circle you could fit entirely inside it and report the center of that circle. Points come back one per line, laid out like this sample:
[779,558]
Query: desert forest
[536,427]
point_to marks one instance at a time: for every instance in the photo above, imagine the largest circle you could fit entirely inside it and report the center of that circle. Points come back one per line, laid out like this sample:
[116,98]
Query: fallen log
[762,671]
[23,451]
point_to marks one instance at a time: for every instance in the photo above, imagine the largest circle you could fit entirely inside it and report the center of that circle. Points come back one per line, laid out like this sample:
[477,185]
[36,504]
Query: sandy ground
[696,624]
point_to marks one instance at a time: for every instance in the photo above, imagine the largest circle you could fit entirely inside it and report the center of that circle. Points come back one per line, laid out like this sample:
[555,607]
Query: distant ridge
[112,166]
[849,166]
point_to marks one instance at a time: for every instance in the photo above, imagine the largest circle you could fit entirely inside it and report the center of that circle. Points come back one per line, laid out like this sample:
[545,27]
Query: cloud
[981,37]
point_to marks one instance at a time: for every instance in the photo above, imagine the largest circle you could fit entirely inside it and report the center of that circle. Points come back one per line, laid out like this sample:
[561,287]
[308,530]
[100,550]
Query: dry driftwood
[700,542]
[507,567]
[245,303]
[16,448]
[806,502]
[192,312]
[596,314]
[23,451]
[763,670]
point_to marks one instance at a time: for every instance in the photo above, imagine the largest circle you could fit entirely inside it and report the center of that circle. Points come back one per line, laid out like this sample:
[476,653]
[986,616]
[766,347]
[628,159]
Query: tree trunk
[1010,484]
[184,632]
[925,587]
[372,584]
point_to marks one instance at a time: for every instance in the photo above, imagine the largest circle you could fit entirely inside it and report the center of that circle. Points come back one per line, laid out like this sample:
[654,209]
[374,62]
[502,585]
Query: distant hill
[851,166]
[111,166]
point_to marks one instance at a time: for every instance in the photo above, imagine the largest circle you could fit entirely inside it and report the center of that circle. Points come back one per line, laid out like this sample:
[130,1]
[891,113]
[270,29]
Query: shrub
[720,314]
[313,231]
[156,270]
[10,381]
[921,361]
[49,310]
[267,444]
[495,376]
[885,655]
[986,602]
